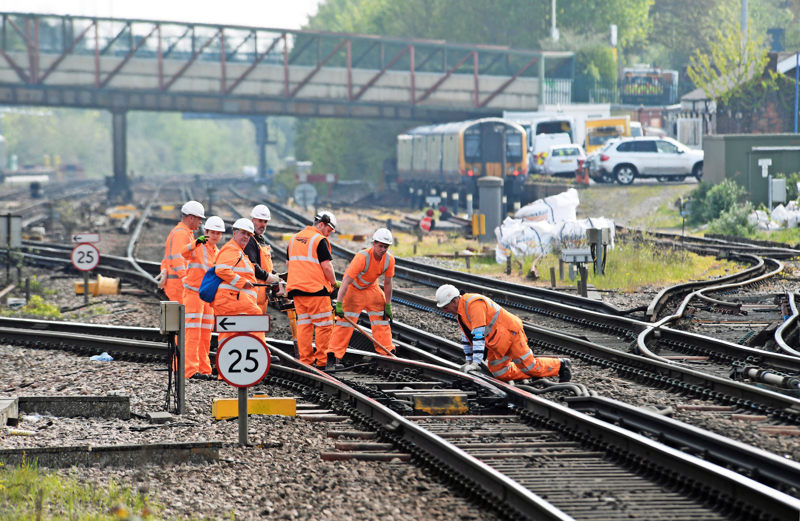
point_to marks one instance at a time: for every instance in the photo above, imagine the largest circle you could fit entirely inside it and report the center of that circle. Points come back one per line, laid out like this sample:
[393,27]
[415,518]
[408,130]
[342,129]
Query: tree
[732,61]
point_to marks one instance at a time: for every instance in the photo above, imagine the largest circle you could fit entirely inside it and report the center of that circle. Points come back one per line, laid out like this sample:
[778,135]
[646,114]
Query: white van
[541,146]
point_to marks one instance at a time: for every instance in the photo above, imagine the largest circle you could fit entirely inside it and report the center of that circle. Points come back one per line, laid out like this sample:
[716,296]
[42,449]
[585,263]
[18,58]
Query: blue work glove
[387,310]
[200,240]
[339,310]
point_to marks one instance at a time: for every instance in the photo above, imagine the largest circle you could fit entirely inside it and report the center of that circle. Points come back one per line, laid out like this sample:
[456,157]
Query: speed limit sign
[85,257]
[243,360]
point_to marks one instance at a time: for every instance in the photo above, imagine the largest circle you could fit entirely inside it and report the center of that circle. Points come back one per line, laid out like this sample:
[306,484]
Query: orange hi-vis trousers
[175,292]
[373,301]
[314,323]
[513,347]
[199,325]
[507,370]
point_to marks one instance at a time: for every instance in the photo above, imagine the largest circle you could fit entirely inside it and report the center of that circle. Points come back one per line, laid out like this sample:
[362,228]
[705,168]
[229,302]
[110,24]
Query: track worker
[258,251]
[361,292]
[173,266]
[310,283]
[201,254]
[236,294]
[487,326]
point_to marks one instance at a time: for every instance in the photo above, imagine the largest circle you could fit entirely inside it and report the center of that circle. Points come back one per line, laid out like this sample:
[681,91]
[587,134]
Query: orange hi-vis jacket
[173,261]
[476,311]
[364,270]
[305,273]
[199,259]
[234,268]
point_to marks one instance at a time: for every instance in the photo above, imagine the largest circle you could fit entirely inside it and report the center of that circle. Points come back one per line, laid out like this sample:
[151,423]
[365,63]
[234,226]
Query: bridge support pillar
[119,187]
[262,140]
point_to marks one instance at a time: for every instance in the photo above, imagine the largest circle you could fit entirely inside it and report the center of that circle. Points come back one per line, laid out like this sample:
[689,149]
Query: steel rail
[787,325]
[135,237]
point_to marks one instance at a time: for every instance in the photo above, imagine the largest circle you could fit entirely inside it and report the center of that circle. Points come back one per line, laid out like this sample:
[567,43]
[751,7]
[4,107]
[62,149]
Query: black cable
[634,310]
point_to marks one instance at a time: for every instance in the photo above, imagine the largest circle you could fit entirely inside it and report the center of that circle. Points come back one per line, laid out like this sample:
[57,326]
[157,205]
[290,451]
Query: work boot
[565,373]
[333,363]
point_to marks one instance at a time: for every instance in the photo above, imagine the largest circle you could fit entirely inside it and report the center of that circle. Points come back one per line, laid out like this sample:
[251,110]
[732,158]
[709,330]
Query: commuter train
[452,157]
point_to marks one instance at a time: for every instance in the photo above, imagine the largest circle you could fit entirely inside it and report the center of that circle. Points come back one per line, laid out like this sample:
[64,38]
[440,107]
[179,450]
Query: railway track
[524,456]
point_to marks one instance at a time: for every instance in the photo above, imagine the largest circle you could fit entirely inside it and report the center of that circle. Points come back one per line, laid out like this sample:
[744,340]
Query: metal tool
[364,332]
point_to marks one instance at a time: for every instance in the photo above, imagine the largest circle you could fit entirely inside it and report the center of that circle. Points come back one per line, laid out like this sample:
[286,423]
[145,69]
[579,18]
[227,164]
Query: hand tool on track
[363,332]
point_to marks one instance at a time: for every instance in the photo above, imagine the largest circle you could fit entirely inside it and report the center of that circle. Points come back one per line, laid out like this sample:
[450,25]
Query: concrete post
[120,188]
[443,196]
[469,205]
[455,203]
[420,199]
[262,137]
[490,190]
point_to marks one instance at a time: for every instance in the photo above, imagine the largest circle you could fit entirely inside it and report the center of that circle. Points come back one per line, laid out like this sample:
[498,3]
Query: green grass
[629,267]
[36,307]
[790,236]
[29,493]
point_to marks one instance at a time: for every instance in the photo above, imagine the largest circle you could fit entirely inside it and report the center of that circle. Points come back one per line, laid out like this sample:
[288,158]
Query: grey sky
[282,14]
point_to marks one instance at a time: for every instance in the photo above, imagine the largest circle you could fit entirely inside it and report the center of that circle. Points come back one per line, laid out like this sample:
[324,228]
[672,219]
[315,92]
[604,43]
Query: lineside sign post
[85,257]
[243,361]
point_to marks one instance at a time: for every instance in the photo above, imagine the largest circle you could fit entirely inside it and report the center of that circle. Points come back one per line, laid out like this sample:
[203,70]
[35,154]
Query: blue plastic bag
[209,286]
[105,357]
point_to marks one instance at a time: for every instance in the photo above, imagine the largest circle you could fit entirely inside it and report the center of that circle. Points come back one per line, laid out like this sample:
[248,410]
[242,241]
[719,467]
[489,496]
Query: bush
[36,307]
[709,202]
[733,221]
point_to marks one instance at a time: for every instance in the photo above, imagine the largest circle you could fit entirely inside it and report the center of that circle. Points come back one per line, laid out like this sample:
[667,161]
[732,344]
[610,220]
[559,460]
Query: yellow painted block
[167,207]
[127,207]
[345,236]
[225,408]
[119,215]
[287,236]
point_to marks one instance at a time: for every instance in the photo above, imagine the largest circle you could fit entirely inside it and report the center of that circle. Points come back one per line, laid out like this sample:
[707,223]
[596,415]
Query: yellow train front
[451,157]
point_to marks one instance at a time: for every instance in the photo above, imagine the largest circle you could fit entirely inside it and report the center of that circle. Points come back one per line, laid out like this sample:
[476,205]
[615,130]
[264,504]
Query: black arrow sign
[224,323]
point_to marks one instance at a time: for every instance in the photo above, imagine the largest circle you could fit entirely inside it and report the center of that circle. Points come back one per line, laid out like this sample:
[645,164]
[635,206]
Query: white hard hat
[215,223]
[327,218]
[384,236]
[193,208]
[244,224]
[260,212]
[445,294]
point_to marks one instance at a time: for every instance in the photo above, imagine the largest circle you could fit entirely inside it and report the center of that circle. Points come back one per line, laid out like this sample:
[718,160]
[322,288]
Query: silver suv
[663,158]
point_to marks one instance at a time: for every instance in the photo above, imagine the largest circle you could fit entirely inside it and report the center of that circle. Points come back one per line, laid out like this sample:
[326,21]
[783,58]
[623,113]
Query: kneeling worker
[236,294]
[362,276]
[485,325]
[309,284]
[201,254]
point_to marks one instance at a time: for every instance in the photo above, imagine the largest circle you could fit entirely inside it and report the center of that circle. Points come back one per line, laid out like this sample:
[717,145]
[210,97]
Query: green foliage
[733,221]
[709,202]
[27,492]
[596,62]
[733,60]
[38,289]
[36,307]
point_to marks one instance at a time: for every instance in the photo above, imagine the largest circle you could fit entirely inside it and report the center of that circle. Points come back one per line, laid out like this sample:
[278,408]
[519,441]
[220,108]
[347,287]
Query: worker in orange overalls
[310,283]
[366,295]
[487,326]
[258,251]
[200,256]
[236,294]
[173,266]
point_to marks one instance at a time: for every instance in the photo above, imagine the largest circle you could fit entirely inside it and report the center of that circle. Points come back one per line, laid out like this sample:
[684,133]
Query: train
[451,157]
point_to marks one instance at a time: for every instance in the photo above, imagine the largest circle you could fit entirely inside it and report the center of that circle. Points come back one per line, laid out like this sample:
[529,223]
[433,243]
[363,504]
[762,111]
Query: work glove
[161,279]
[464,367]
[339,310]
[471,367]
[273,279]
[387,310]
[337,284]
[200,240]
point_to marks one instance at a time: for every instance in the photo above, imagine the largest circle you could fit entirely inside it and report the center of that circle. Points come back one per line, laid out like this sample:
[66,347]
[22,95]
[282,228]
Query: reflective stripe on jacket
[200,258]
[234,268]
[305,272]
[366,278]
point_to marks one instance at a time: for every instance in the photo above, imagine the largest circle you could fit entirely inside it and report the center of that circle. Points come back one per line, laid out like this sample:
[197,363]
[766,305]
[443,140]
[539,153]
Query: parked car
[591,165]
[662,158]
[563,160]
[541,147]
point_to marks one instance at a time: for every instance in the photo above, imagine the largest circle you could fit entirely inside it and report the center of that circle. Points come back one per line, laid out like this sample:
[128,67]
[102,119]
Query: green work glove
[339,310]
[200,240]
[387,310]
[337,284]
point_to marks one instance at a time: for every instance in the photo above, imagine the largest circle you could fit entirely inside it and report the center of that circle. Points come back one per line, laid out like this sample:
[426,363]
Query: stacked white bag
[539,227]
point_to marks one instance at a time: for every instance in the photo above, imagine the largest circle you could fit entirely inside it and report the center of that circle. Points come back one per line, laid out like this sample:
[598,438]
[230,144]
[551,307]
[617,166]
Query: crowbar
[363,332]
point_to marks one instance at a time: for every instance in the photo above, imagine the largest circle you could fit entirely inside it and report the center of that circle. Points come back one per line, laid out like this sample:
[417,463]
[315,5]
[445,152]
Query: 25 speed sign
[85,257]
[243,360]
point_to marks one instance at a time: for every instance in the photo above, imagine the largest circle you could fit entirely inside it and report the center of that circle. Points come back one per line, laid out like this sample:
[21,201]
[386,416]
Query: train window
[472,147]
[514,147]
